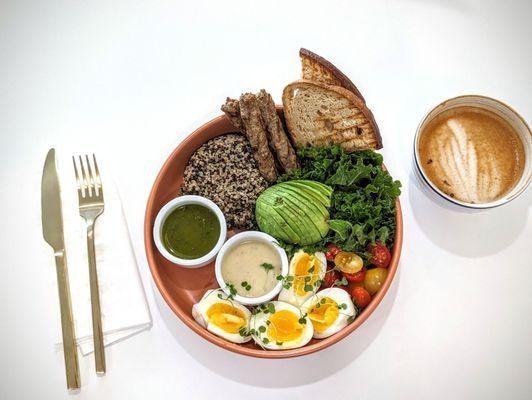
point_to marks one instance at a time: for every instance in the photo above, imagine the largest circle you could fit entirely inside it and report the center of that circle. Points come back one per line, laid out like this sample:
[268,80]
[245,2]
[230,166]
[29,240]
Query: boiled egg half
[330,310]
[223,317]
[304,277]
[279,326]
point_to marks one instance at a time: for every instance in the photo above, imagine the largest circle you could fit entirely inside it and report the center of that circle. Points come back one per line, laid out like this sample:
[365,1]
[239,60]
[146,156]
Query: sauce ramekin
[243,237]
[171,206]
[504,111]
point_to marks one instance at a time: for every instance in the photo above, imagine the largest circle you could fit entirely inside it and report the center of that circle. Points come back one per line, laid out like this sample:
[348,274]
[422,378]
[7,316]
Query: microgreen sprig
[341,282]
[287,280]
[267,266]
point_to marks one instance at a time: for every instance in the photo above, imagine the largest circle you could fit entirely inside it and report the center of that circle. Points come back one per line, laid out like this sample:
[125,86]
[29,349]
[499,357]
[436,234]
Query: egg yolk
[303,269]
[324,314]
[284,326]
[226,317]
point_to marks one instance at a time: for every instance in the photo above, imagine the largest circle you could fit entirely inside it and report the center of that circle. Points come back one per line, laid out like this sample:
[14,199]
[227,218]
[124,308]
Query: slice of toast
[321,115]
[318,69]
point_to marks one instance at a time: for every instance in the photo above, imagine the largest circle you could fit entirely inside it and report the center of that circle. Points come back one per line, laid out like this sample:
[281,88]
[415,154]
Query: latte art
[471,154]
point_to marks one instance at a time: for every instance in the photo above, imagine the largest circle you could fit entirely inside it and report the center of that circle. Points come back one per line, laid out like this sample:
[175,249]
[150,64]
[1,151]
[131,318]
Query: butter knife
[52,228]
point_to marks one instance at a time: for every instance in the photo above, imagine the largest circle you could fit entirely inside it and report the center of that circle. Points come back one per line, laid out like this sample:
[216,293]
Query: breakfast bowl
[245,238]
[182,288]
[472,175]
[190,261]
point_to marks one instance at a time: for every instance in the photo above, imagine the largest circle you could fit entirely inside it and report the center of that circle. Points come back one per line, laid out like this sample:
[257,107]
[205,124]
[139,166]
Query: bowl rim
[511,195]
[235,348]
[171,206]
[235,240]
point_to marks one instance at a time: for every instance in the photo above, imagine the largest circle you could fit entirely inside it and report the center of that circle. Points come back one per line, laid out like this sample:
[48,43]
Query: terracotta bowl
[182,287]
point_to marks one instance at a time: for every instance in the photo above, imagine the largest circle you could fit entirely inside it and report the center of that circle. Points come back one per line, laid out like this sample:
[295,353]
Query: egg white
[261,318]
[289,295]
[199,313]
[340,296]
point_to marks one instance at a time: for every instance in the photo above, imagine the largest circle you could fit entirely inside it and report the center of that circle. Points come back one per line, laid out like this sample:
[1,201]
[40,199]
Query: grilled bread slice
[321,115]
[318,69]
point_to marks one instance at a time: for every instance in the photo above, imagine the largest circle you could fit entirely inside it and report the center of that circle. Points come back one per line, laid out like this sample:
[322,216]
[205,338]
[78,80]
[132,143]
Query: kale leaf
[363,201]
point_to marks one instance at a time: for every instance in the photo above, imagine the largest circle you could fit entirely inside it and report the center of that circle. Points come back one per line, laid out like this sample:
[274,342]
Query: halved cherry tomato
[380,255]
[360,296]
[348,262]
[356,277]
[330,277]
[333,251]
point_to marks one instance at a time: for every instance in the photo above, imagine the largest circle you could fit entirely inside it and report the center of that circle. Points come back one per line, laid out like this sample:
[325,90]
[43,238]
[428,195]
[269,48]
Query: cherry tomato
[333,251]
[375,279]
[330,277]
[348,262]
[356,277]
[360,296]
[380,255]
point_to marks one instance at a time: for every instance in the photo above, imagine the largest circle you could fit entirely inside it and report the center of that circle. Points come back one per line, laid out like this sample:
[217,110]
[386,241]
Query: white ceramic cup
[504,111]
[171,206]
[244,237]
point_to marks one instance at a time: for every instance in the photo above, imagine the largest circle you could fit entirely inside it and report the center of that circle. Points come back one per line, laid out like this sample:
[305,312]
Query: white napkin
[123,303]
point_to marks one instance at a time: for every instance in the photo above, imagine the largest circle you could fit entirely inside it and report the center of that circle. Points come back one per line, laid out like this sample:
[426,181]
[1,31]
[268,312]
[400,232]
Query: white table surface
[137,78]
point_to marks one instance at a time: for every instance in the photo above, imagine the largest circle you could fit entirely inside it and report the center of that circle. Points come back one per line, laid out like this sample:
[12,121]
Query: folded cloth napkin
[122,300]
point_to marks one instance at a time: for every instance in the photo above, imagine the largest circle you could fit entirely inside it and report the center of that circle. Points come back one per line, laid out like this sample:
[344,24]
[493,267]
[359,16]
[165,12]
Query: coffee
[471,154]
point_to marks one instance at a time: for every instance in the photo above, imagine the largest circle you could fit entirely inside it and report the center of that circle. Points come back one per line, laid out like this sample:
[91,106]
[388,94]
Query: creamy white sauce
[244,266]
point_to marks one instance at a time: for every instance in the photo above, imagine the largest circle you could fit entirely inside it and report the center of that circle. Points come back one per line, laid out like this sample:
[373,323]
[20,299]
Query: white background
[135,78]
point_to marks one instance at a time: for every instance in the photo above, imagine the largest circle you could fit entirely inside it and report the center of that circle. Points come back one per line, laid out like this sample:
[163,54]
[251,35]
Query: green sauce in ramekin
[190,231]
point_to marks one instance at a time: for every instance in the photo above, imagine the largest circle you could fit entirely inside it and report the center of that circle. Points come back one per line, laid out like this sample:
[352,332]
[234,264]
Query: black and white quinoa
[224,171]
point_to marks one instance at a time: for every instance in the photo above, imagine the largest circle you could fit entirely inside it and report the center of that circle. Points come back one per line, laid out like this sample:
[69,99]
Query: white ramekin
[244,237]
[171,206]
[504,111]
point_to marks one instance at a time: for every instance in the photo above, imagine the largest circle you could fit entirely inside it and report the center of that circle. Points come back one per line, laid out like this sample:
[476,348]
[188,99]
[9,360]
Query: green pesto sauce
[190,231]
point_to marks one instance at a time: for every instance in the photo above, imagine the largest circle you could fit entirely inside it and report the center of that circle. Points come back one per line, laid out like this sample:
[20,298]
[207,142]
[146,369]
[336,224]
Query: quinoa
[225,171]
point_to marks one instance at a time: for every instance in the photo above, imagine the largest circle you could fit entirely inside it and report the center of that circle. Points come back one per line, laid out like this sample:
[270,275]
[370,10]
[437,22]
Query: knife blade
[52,228]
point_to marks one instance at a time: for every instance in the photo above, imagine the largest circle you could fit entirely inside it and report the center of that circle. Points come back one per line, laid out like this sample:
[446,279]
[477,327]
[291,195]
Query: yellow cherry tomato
[347,262]
[375,279]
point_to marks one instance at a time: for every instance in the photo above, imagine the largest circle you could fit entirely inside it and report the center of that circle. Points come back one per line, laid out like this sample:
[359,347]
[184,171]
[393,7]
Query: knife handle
[67,323]
[97,331]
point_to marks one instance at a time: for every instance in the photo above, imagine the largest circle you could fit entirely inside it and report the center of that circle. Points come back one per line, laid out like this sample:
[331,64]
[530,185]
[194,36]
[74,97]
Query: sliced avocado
[298,220]
[271,200]
[317,199]
[304,199]
[320,187]
[323,188]
[272,223]
[325,200]
[309,198]
[277,221]
[306,204]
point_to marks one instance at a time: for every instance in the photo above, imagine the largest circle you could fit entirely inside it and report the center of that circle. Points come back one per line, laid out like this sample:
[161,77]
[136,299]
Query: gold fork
[91,205]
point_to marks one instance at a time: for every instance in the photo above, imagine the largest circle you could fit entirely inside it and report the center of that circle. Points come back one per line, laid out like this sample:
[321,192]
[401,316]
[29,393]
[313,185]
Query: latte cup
[503,111]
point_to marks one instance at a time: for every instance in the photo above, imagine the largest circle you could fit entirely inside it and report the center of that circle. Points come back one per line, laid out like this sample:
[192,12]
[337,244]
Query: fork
[91,205]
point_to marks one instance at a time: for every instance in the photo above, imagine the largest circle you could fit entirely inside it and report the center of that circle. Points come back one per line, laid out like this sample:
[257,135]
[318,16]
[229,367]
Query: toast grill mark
[332,124]
[319,115]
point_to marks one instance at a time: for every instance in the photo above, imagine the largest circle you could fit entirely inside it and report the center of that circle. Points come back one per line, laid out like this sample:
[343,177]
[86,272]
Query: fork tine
[81,184]
[97,172]
[91,177]
[76,172]
[86,186]
[78,180]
